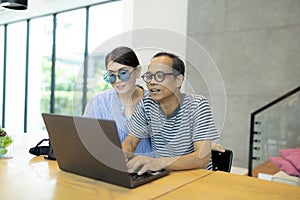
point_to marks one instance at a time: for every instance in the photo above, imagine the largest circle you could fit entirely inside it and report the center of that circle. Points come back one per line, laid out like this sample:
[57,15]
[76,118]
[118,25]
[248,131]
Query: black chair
[222,161]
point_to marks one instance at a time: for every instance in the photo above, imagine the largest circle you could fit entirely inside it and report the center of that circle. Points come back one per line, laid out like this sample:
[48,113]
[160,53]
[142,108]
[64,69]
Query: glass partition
[273,127]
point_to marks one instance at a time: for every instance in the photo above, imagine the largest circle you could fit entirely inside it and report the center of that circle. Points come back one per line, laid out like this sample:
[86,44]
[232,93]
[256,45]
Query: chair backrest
[222,161]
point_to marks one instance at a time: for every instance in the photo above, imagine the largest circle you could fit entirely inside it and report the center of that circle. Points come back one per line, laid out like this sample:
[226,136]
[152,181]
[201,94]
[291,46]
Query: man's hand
[218,147]
[142,164]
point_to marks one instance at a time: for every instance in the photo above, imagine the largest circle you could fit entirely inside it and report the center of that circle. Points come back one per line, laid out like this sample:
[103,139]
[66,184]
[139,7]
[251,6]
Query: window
[46,58]
[1,69]
[100,30]
[40,63]
[70,45]
[15,76]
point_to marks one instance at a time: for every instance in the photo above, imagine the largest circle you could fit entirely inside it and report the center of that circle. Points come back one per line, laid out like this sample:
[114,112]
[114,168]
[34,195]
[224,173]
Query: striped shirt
[106,105]
[175,134]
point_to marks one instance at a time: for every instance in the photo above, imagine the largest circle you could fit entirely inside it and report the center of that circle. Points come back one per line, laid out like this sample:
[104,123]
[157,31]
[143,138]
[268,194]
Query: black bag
[43,150]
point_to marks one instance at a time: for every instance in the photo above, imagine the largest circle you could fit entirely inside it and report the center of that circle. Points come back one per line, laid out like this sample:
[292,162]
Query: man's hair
[178,65]
[123,56]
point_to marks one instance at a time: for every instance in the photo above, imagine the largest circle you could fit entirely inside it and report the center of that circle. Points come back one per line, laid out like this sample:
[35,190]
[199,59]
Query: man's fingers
[218,147]
[143,170]
[134,164]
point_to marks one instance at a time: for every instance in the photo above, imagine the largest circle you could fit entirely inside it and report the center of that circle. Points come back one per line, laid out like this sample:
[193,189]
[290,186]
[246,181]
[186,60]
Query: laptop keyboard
[136,177]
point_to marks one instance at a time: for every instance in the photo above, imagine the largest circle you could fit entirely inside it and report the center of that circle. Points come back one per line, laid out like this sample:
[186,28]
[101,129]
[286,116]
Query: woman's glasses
[123,75]
[158,76]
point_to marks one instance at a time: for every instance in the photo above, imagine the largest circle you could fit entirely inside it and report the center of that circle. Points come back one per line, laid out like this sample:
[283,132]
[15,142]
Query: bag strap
[40,150]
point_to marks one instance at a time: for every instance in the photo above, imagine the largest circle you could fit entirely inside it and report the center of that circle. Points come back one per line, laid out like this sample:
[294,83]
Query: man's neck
[170,103]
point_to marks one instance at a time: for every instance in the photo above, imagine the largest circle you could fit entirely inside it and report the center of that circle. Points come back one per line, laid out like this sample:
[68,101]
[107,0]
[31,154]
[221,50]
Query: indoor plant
[5,141]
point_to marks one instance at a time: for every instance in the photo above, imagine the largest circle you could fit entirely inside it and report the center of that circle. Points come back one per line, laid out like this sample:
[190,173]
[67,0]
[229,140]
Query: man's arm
[198,159]
[129,145]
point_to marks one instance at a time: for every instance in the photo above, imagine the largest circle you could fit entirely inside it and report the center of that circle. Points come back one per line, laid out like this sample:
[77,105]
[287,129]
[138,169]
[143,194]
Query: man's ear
[179,80]
[138,71]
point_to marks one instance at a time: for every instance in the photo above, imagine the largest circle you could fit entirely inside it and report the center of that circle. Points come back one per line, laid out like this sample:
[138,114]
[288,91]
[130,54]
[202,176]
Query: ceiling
[41,7]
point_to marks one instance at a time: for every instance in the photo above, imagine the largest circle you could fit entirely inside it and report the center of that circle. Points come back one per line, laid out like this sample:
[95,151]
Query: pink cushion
[287,152]
[285,166]
[292,155]
[295,160]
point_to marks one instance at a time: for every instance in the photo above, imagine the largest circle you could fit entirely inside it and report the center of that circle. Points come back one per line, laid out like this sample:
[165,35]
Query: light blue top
[106,105]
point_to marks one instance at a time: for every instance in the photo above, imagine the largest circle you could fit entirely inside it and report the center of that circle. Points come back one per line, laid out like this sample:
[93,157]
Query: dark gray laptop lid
[87,147]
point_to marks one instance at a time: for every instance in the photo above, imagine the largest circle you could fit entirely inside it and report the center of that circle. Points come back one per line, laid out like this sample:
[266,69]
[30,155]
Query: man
[181,126]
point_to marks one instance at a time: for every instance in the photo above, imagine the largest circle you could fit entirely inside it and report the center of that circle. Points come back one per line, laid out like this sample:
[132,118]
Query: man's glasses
[123,75]
[158,76]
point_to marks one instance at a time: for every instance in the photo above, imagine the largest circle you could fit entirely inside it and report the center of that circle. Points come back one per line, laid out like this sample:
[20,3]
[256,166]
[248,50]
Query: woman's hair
[178,65]
[123,56]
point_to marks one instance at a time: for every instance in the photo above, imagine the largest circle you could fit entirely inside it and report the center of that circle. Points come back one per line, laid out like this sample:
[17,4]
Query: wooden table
[222,185]
[26,176]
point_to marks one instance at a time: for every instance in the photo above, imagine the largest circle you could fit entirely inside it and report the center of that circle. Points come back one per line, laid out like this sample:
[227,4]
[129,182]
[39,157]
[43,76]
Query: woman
[123,69]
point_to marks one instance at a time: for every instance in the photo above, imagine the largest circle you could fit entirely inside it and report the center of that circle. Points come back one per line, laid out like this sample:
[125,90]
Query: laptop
[91,147]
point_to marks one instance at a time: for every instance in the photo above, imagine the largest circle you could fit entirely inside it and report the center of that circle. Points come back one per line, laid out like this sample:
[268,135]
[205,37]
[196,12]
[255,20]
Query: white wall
[154,25]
